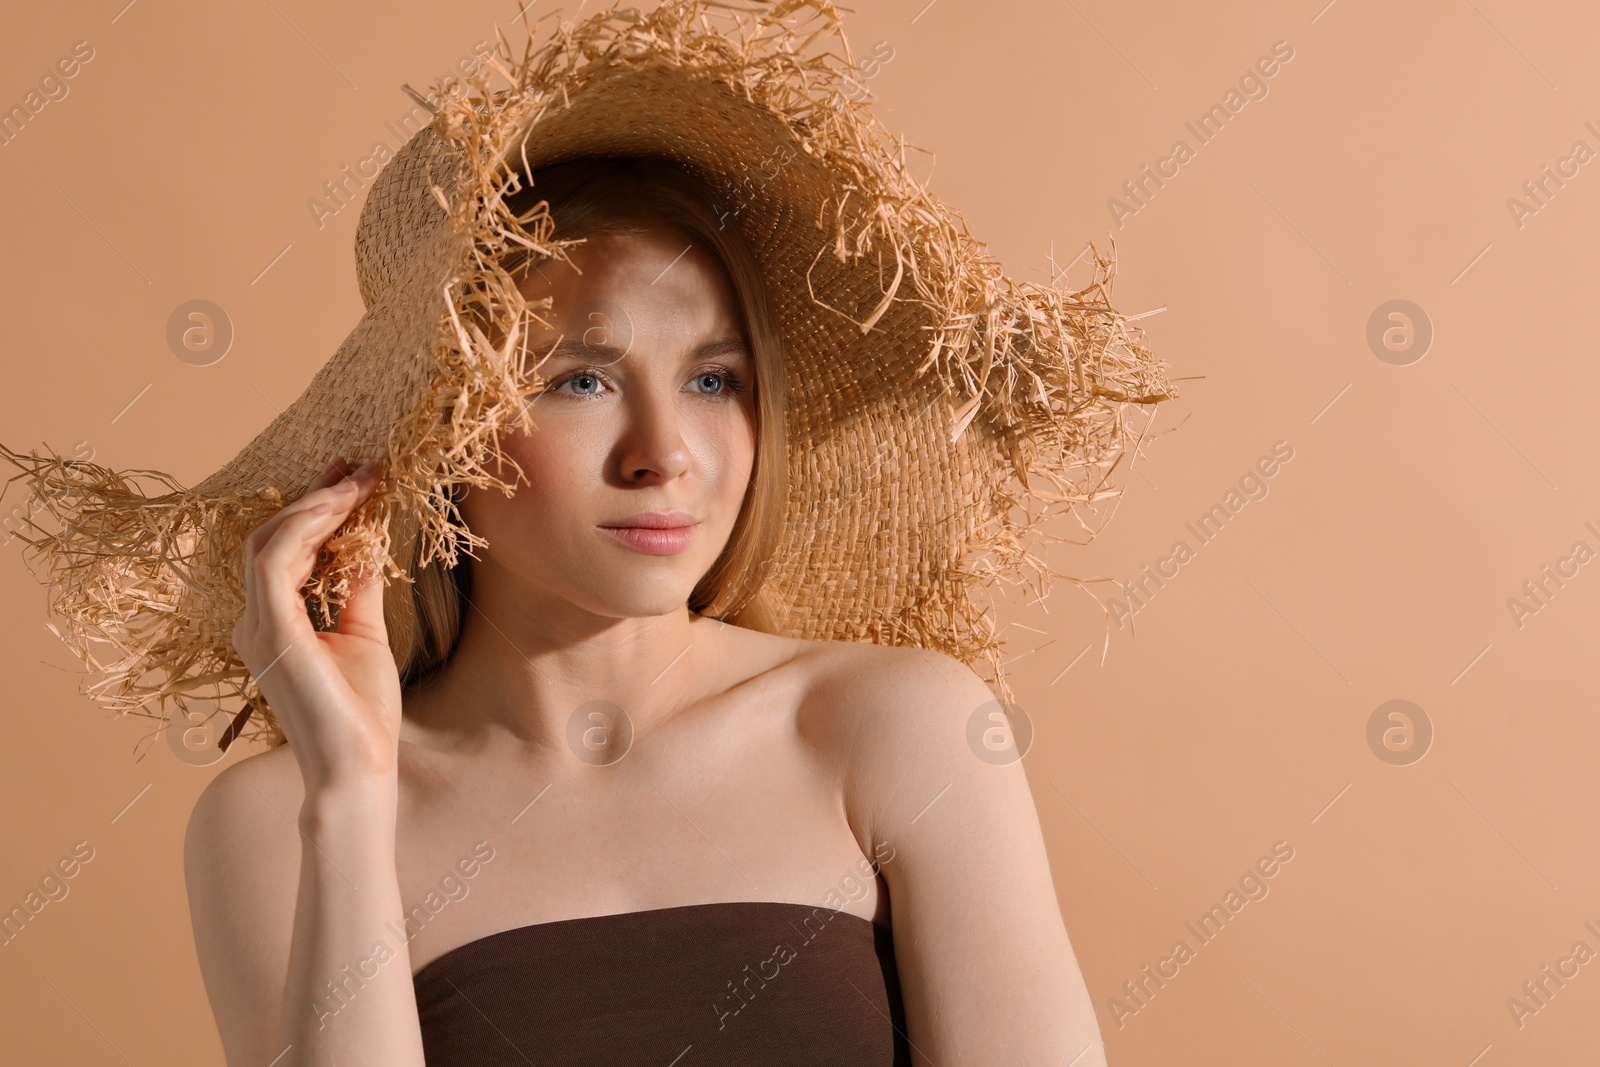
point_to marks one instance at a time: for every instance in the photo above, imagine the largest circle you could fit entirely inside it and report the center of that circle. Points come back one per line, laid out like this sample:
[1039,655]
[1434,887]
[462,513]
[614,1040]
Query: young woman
[548,812]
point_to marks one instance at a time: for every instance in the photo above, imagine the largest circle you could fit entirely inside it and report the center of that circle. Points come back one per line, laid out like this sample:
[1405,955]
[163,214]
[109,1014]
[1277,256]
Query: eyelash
[733,384]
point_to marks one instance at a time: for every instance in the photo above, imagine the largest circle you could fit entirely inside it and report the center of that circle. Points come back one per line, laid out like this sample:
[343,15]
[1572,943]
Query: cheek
[550,466]
[725,453]
[557,480]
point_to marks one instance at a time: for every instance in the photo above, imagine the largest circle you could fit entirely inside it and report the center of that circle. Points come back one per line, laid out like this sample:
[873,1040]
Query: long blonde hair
[594,195]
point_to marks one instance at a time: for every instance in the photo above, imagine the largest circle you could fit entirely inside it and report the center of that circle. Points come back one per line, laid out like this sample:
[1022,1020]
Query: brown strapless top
[748,983]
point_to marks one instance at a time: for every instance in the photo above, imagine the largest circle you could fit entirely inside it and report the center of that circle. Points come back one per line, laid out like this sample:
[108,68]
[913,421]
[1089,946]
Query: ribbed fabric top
[748,983]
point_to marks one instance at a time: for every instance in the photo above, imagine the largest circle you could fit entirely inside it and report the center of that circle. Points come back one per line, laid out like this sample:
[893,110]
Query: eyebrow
[578,348]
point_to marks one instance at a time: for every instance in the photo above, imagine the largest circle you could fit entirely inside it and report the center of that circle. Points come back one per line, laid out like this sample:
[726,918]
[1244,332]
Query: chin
[648,609]
[635,602]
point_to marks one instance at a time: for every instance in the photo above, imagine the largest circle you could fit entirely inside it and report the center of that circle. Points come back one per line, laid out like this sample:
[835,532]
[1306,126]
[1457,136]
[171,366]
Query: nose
[652,448]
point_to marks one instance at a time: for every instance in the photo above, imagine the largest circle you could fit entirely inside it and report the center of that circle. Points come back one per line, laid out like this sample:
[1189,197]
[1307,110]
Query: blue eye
[722,382]
[578,377]
[731,384]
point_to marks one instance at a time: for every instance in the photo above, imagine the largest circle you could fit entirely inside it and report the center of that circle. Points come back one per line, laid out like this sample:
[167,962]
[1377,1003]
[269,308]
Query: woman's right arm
[290,855]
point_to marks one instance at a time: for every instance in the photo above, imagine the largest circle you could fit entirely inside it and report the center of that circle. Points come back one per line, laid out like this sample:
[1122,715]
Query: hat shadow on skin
[658,387]
[630,418]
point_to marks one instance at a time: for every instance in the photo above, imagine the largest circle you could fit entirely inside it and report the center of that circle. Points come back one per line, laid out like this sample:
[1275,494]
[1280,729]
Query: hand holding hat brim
[335,693]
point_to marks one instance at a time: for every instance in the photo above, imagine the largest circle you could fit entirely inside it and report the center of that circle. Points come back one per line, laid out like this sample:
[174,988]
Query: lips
[655,533]
[654,520]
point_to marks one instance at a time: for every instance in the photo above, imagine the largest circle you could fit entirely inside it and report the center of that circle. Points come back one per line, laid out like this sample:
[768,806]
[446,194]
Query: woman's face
[647,407]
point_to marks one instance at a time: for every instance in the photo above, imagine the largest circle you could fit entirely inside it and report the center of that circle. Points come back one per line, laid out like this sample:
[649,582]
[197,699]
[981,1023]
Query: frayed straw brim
[938,411]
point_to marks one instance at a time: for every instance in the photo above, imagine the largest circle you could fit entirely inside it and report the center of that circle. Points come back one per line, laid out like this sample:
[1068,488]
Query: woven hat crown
[400,212]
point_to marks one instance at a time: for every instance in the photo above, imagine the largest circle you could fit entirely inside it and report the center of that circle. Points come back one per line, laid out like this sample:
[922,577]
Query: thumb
[362,613]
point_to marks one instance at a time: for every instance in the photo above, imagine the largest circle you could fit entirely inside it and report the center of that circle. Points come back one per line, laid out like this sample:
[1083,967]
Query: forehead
[660,280]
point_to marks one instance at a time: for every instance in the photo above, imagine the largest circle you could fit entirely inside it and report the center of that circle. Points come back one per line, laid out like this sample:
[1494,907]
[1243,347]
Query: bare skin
[760,767]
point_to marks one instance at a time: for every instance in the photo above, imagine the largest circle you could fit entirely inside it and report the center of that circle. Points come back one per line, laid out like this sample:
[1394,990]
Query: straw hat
[937,410]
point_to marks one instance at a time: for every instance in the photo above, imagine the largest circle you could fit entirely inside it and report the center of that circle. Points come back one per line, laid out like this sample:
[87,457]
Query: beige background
[1419,498]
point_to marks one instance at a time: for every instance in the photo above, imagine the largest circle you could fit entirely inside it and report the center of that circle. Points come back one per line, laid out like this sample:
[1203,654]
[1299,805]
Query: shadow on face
[646,405]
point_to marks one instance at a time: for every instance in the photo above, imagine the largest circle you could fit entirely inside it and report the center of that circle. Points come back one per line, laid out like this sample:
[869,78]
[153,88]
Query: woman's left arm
[987,973]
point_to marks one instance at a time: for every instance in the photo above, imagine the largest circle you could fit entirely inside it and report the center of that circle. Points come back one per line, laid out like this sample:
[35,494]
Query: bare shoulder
[862,691]
[849,670]
[986,976]
[880,713]
[242,867]
[245,804]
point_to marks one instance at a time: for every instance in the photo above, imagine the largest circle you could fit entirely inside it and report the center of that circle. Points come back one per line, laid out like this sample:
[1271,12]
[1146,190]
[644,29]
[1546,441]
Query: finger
[329,474]
[362,614]
[281,566]
[325,477]
[340,491]
[336,491]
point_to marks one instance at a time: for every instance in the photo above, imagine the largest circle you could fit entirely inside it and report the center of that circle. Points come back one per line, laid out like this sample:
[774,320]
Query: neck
[532,668]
